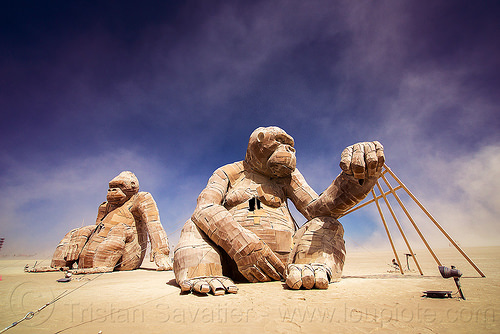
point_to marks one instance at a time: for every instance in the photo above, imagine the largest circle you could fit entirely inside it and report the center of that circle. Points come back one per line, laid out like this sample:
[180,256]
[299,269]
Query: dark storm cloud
[173,90]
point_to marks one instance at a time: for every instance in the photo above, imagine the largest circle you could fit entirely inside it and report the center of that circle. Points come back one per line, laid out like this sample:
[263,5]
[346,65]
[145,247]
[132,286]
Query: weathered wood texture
[119,238]
[242,227]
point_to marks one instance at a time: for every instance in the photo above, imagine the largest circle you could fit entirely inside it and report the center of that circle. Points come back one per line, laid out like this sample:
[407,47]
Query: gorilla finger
[268,269]
[248,275]
[185,286]
[380,154]
[71,253]
[308,277]
[345,159]
[358,161]
[294,277]
[229,285]
[201,286]
[259,275]
[275,262]
[370,158]
[321,279]
[216,286]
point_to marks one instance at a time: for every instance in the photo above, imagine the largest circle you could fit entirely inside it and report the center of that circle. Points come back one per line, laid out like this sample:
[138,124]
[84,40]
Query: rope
[31,314]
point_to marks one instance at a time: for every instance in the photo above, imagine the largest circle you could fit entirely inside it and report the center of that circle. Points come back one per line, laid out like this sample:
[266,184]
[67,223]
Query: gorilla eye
[284,140]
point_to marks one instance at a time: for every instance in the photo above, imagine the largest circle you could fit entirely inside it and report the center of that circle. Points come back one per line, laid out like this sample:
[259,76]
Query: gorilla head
[270,152]
[122,187]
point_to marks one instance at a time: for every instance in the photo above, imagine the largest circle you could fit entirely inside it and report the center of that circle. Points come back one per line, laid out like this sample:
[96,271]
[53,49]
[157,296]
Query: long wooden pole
[434,221]
[417,229]
[388,233]
[368,202]
[413,255]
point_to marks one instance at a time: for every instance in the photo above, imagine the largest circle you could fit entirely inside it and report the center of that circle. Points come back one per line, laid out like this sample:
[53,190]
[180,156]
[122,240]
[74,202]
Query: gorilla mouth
[281,170]
[115,199]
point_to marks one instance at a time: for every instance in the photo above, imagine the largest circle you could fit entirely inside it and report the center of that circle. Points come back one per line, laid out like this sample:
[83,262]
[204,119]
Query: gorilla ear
[260,137]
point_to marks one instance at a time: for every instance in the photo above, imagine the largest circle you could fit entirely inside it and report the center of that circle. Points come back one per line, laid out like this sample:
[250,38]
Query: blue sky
[172,90]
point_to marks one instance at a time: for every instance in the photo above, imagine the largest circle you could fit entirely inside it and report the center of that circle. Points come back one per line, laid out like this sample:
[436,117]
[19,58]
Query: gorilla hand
[78,239]
[363,159]
[257,262]
[162,261]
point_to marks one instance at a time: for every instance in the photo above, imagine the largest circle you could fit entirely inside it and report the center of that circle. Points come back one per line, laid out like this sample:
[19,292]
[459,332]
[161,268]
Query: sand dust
[369,299]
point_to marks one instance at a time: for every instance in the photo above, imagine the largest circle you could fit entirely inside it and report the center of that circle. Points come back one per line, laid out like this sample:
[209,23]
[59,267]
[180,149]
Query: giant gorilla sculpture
[119,238]
[242,228]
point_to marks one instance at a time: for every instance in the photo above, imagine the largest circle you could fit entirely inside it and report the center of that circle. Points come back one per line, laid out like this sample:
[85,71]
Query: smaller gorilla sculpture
[242,228]
[119,238]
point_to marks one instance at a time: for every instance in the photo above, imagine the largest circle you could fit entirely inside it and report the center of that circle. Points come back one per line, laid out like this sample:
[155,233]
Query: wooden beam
[414,256]
[434,221]
[388,233]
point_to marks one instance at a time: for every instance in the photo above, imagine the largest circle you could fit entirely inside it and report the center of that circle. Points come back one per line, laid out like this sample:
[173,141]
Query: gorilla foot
[308,276]
[219,285]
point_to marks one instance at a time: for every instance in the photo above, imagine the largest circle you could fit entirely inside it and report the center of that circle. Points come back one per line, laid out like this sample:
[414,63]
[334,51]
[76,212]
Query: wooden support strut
[410,218]
[368,202]
[434,221]
[414,256]
[388,233]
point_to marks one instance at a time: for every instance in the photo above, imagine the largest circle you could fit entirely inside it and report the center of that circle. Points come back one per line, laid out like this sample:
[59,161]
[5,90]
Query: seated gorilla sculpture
[242,228]
[119,238]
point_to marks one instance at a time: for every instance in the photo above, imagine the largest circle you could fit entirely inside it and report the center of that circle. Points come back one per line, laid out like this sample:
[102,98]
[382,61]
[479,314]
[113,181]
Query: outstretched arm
[361,166]
[146,210]
[255,260]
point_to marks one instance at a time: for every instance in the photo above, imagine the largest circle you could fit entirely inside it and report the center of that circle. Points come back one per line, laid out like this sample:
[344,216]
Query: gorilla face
[270,151]
[122,187]
[115,194]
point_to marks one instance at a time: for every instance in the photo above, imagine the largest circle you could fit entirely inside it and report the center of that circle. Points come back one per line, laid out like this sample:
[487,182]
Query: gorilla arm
[361,166]
[145,209]
[255,260]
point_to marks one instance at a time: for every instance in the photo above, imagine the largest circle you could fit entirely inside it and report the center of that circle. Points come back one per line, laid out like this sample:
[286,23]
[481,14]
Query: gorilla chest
[259,204]
[254,186]
[118,216]
[121,215]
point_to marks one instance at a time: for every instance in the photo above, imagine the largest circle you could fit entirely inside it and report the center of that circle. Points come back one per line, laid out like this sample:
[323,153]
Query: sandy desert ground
[369,299]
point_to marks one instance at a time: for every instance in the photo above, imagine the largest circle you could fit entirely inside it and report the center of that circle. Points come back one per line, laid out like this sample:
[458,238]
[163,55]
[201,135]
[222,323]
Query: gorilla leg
[110,250]
[198,263]
[59,257]
[67,251]
[132,256]
[318,254]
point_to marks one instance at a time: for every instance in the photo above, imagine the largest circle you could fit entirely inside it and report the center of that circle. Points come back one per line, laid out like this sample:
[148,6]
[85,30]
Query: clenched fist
[363,160]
